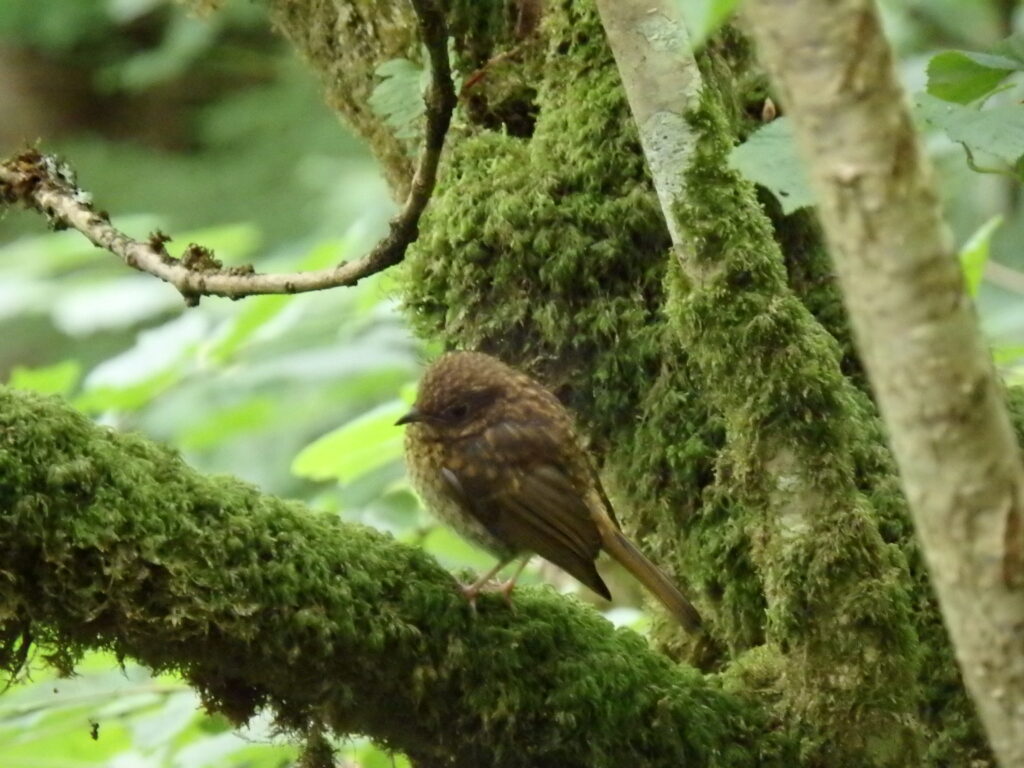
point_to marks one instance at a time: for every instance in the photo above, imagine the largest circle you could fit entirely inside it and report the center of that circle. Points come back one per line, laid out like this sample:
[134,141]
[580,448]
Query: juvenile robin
[495,455]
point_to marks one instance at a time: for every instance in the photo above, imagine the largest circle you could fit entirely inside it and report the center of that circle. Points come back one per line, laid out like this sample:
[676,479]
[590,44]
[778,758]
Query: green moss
[549,252]
[110,541]
[479,27]
[838,597]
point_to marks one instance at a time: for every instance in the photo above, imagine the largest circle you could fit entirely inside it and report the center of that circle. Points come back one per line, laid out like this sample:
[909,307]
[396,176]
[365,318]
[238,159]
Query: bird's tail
[647,573]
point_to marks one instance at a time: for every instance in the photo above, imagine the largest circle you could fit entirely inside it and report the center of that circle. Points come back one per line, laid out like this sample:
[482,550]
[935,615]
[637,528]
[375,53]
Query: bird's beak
[410,417]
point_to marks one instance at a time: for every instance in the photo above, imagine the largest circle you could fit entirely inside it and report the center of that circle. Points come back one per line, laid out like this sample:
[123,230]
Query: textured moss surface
[110,541]
[838,596]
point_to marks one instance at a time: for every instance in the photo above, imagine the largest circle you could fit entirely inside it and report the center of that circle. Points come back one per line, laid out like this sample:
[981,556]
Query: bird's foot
[472,591]
[486,584]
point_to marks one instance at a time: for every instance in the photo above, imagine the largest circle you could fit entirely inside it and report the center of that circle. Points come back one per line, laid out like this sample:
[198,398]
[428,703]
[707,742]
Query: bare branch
[41,182]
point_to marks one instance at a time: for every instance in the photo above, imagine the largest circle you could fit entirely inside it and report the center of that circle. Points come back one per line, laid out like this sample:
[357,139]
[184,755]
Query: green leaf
[1007,354]
[219,426]
[704,17]
[975,254]
[57,379]
[185,40]
[260,310]
[398,97]
[372,756]
[769,158]
[962,77]
[367,442]
[257,312]
[454,551]
[230,243]
[998,131]
[128,398]
[1011,48]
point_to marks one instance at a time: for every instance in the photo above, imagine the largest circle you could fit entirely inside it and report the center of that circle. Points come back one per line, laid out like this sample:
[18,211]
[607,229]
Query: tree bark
[917,333]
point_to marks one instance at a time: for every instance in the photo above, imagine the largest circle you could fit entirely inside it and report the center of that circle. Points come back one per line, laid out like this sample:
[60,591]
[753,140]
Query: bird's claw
[472,591]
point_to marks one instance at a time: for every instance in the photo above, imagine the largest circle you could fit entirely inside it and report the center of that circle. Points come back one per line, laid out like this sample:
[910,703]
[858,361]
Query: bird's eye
[456,412]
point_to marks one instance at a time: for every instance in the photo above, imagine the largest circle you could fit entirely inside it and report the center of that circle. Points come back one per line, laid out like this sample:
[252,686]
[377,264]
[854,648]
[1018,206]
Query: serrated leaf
[769,158]
[367,442]
[962,77]
[998,131]
[398,97]
[975,254]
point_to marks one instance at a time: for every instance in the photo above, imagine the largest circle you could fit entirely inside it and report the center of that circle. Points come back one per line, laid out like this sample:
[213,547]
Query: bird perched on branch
[495,455]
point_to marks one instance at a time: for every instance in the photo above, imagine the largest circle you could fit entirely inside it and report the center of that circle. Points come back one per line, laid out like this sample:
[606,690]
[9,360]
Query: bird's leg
[507,587]
[470,591]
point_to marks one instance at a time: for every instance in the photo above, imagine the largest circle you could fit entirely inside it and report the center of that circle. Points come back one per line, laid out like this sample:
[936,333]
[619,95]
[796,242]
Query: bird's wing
[516,479]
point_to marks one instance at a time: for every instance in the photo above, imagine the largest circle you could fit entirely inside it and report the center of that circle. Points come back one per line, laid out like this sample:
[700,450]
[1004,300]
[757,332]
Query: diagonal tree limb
[110,541]
[43,183]
[917,333]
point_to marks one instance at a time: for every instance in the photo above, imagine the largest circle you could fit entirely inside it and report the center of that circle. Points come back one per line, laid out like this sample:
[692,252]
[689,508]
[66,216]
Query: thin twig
[42,182]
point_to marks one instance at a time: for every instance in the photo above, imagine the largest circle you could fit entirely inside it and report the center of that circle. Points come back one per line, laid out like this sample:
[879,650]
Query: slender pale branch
[917,333]
[662,83]
[41,182]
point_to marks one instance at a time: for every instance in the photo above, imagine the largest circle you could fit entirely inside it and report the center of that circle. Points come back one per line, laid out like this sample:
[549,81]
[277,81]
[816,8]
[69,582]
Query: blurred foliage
[213,125]
[258,169]
[704,17]
[769,158]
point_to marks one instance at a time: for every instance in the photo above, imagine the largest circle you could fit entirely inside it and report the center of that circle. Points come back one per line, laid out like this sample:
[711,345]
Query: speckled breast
[424,465]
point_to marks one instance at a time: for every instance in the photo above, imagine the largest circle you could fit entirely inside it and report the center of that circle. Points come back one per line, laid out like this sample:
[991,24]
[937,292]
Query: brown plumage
[495,455]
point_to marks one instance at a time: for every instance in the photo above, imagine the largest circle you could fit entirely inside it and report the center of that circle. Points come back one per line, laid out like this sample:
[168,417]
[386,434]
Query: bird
[496,456]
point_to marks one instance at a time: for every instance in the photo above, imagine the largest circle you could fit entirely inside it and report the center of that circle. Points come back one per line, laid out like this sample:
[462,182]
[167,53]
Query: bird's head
[465,392]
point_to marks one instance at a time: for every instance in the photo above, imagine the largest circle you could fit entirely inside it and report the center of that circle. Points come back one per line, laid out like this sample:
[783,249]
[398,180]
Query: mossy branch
[836,597]
[110,541]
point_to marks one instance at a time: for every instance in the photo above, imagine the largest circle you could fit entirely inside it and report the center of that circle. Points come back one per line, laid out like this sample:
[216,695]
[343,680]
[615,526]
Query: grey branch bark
[916,331]
[662,82]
